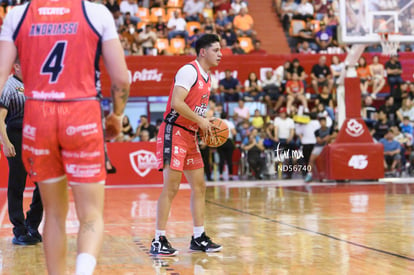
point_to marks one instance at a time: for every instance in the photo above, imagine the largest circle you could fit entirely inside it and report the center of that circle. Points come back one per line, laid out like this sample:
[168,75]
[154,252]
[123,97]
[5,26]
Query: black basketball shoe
[162,247]
[204,243]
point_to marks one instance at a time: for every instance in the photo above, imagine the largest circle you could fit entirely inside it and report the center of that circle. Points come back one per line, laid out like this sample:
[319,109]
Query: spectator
[177,27]
[321,9]
[147,39]
[364,76]
[377,73]
[144,136]
[131,7]
[112,6]
[306,134]
[194,37]
[254,147]
[295,67]
[407,109]
[282,74]
[272,91]
[322,111]
[127,131]
[392,151]
[390,109]
[243,24]
[284,128]
[209,26]
[145,125]
[321,75]
[193,9]
[225,50]
[222,5]
[225,151]
[325,98]
[257,120]
[381,126]
[295,92]
[332,22]
[323,137]
[308,35]
[304,48]
[406,126]
[411,90]
[221,22]
[288,9]
[269,141]
[305,11]
[242,111]
[230,87]
[237,49]
[323,37]
[369,112]
[161,28]
[229,35]
[257,48]
[237,5]
[336,68]
[243,128]
[253,90]
[394,70]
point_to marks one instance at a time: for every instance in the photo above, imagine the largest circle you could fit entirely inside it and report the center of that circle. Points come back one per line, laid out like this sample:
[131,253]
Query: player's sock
[85,264]
[159,233]
[198,230]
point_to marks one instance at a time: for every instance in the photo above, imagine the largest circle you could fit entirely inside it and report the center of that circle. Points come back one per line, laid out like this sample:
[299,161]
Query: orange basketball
[218,136]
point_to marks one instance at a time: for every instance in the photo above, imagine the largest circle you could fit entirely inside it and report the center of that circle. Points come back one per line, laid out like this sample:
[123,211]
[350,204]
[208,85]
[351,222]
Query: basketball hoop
[388,47]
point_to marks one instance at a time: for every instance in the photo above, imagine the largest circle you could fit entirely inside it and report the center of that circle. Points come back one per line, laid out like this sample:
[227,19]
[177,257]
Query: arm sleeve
[102,20]
[186,77]
[11,22]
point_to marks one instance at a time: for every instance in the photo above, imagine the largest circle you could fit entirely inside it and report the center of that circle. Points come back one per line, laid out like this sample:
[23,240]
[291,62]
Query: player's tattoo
[120,98]
[88,226]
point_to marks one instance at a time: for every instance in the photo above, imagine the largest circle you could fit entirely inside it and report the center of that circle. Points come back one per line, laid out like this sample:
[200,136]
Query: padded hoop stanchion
[353,155]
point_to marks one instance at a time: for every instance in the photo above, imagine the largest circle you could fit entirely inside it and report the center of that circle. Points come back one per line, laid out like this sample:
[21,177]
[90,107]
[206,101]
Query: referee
[11,114]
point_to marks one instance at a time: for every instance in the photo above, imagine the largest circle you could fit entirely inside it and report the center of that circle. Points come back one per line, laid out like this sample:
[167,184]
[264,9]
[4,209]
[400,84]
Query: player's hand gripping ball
[218,135]
[113,126]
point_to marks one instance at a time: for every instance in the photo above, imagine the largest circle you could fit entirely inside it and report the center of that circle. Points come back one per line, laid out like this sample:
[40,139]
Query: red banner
[153,75]
[135,163]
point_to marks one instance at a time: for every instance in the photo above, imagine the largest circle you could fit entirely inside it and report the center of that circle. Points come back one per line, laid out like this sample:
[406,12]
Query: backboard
[363,21]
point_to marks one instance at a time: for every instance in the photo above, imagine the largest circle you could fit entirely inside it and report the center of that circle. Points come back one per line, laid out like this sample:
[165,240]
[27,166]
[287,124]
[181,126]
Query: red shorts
[178,148]
[64,138]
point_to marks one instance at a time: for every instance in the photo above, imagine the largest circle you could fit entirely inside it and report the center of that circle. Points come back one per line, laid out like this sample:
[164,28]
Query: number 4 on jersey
[53,64]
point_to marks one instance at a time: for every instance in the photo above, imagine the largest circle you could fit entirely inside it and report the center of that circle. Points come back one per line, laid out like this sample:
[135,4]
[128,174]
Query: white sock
[159,233]
[198,230]
[85,264]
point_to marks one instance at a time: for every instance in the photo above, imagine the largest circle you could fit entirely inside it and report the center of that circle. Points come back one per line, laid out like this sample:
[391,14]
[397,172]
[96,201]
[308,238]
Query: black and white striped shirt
[13,100]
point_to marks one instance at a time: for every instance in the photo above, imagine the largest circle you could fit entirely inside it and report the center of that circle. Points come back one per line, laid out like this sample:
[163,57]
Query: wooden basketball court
[278,227]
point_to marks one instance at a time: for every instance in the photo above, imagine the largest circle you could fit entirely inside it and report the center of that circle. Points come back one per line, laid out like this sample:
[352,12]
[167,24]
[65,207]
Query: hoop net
[388,47]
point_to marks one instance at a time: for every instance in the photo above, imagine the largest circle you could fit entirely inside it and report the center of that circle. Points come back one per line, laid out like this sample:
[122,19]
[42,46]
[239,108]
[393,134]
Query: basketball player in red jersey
[177,147]
[59,43]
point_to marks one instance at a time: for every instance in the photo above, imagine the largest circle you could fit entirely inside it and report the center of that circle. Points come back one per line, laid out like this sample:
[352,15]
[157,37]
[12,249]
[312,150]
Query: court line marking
[312,231]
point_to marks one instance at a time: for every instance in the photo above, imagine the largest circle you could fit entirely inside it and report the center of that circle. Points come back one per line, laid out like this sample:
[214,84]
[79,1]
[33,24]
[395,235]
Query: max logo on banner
[142,161]
[354,128]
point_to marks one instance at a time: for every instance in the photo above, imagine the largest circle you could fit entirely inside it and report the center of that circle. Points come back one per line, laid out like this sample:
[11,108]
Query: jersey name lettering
[53,29]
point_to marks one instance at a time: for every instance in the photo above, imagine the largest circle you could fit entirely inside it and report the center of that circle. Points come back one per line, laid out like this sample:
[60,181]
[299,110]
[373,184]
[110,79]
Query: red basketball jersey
[197,100]
[67,49]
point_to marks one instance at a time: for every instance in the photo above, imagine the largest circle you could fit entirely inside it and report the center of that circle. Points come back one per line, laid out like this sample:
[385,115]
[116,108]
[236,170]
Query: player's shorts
[64,138]
[178,148]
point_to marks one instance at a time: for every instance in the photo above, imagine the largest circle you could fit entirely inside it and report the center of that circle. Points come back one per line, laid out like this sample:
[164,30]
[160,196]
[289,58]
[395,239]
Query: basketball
[218,136]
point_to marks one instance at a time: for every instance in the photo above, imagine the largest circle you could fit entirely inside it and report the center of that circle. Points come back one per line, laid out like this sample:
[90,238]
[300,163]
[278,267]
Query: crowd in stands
[312,25]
